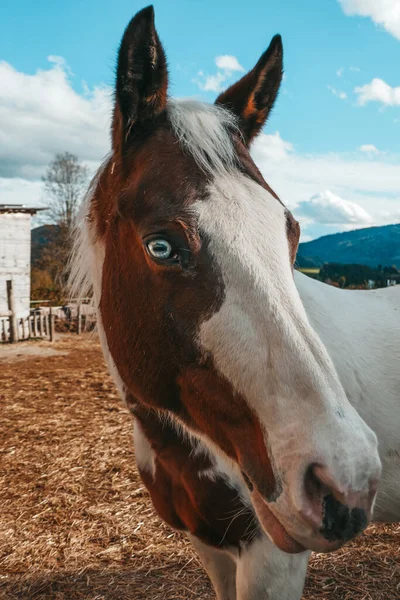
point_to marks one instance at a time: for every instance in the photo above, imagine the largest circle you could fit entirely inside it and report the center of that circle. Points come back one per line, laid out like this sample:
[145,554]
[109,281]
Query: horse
[265,404]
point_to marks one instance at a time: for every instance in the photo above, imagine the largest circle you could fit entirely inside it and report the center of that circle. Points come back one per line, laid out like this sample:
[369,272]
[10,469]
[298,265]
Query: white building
[390,282]
[15,255]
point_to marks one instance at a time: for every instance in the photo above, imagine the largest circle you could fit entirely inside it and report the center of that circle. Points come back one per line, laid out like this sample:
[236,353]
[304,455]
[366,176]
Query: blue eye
[160,249]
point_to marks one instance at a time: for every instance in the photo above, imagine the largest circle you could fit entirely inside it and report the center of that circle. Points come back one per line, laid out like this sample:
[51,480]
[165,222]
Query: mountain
[372,246]
[41,238]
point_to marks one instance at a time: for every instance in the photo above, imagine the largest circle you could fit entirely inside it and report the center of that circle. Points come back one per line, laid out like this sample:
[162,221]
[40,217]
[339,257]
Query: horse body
[361,331]
[244,434]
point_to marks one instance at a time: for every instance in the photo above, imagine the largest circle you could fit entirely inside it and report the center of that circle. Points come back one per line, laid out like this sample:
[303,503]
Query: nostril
[314,487]
[326,479]
[339,515]
[314,492]
[312,484]
[341,523]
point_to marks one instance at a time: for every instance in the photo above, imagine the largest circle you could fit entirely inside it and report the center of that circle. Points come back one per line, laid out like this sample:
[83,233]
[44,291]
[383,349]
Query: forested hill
[372,246]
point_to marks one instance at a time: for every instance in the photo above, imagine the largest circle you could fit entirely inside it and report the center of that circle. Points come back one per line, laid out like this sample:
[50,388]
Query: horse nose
[339,512]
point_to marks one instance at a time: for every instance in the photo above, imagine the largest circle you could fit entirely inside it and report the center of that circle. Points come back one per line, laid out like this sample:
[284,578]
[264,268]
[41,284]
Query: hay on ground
[76,521]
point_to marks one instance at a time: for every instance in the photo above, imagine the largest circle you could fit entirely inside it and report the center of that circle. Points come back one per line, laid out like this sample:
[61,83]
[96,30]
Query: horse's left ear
[253,96]
[142,76]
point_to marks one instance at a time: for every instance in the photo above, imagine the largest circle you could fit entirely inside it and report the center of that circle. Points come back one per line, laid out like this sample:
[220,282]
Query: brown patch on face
[293,235]
[208,508]
[151,313]
[233,427]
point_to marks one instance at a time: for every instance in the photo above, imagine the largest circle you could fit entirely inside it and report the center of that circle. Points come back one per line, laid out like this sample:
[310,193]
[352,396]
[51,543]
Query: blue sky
[331,147]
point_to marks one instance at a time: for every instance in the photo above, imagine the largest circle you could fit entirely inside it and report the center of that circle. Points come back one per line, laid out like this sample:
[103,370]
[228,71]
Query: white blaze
[262,342]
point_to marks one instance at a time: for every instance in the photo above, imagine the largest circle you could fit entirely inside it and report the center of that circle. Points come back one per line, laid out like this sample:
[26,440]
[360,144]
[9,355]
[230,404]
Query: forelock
[205,132]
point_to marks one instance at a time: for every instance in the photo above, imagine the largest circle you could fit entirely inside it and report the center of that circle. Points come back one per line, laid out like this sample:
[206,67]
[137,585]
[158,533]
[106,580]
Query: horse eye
[160,249]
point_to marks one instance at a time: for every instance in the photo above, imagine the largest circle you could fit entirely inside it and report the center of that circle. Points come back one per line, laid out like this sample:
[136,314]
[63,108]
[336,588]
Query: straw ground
[76,522]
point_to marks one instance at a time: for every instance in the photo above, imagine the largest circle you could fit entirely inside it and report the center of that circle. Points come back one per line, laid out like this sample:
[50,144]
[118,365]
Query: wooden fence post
[30,331]
[51,324]
[12,308]
[79,322]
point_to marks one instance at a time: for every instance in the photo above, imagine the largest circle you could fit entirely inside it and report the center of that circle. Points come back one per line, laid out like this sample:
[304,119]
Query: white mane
[203,131]
[80,263]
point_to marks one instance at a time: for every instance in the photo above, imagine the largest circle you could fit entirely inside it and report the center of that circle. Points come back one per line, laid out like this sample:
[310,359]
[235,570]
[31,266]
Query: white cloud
[213,83]
[389,217]
[271,147]
[42,114]
[378,91]
[227,65]
[371,182]
[338,93]
[342,70]
[327,208]
[369,149]
[382,12]
[21,191]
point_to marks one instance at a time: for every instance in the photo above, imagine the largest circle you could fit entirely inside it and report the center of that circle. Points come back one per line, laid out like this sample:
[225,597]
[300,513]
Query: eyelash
[177,255]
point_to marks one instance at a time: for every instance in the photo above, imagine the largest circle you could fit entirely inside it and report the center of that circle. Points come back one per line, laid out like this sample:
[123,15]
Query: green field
[309,271]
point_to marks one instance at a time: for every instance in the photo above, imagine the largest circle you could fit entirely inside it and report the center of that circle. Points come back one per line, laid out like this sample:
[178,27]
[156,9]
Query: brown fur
[252,97]
[186,499]
[151,311]
[153,342]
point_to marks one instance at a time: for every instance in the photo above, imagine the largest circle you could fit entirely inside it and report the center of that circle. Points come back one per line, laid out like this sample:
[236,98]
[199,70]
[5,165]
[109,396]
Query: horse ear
[253,96]
[142,76]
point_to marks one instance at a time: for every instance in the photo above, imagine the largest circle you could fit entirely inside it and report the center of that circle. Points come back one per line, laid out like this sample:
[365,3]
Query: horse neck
[361,318]
[360,330]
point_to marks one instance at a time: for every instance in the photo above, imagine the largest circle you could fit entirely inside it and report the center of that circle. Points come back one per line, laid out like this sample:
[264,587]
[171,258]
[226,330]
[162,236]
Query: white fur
[145,458]
[221,569]
[260,571]
[86,260]
[266,573]
[361,331]
[261,341]
[202,131]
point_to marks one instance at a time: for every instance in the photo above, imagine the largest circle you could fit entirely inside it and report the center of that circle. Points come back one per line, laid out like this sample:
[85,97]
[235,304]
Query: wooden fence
[41,322]
[36,325]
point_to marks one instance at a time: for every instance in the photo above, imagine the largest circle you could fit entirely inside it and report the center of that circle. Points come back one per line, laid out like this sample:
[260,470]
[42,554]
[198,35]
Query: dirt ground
[75,520]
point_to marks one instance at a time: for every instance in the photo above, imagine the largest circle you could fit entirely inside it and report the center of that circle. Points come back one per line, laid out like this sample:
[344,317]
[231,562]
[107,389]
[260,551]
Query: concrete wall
[15,259]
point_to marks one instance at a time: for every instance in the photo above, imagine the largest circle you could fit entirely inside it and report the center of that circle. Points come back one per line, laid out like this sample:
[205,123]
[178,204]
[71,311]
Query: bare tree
[65,182]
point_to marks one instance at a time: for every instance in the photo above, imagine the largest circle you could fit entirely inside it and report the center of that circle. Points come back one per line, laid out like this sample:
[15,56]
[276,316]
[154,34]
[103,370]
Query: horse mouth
[273,527]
